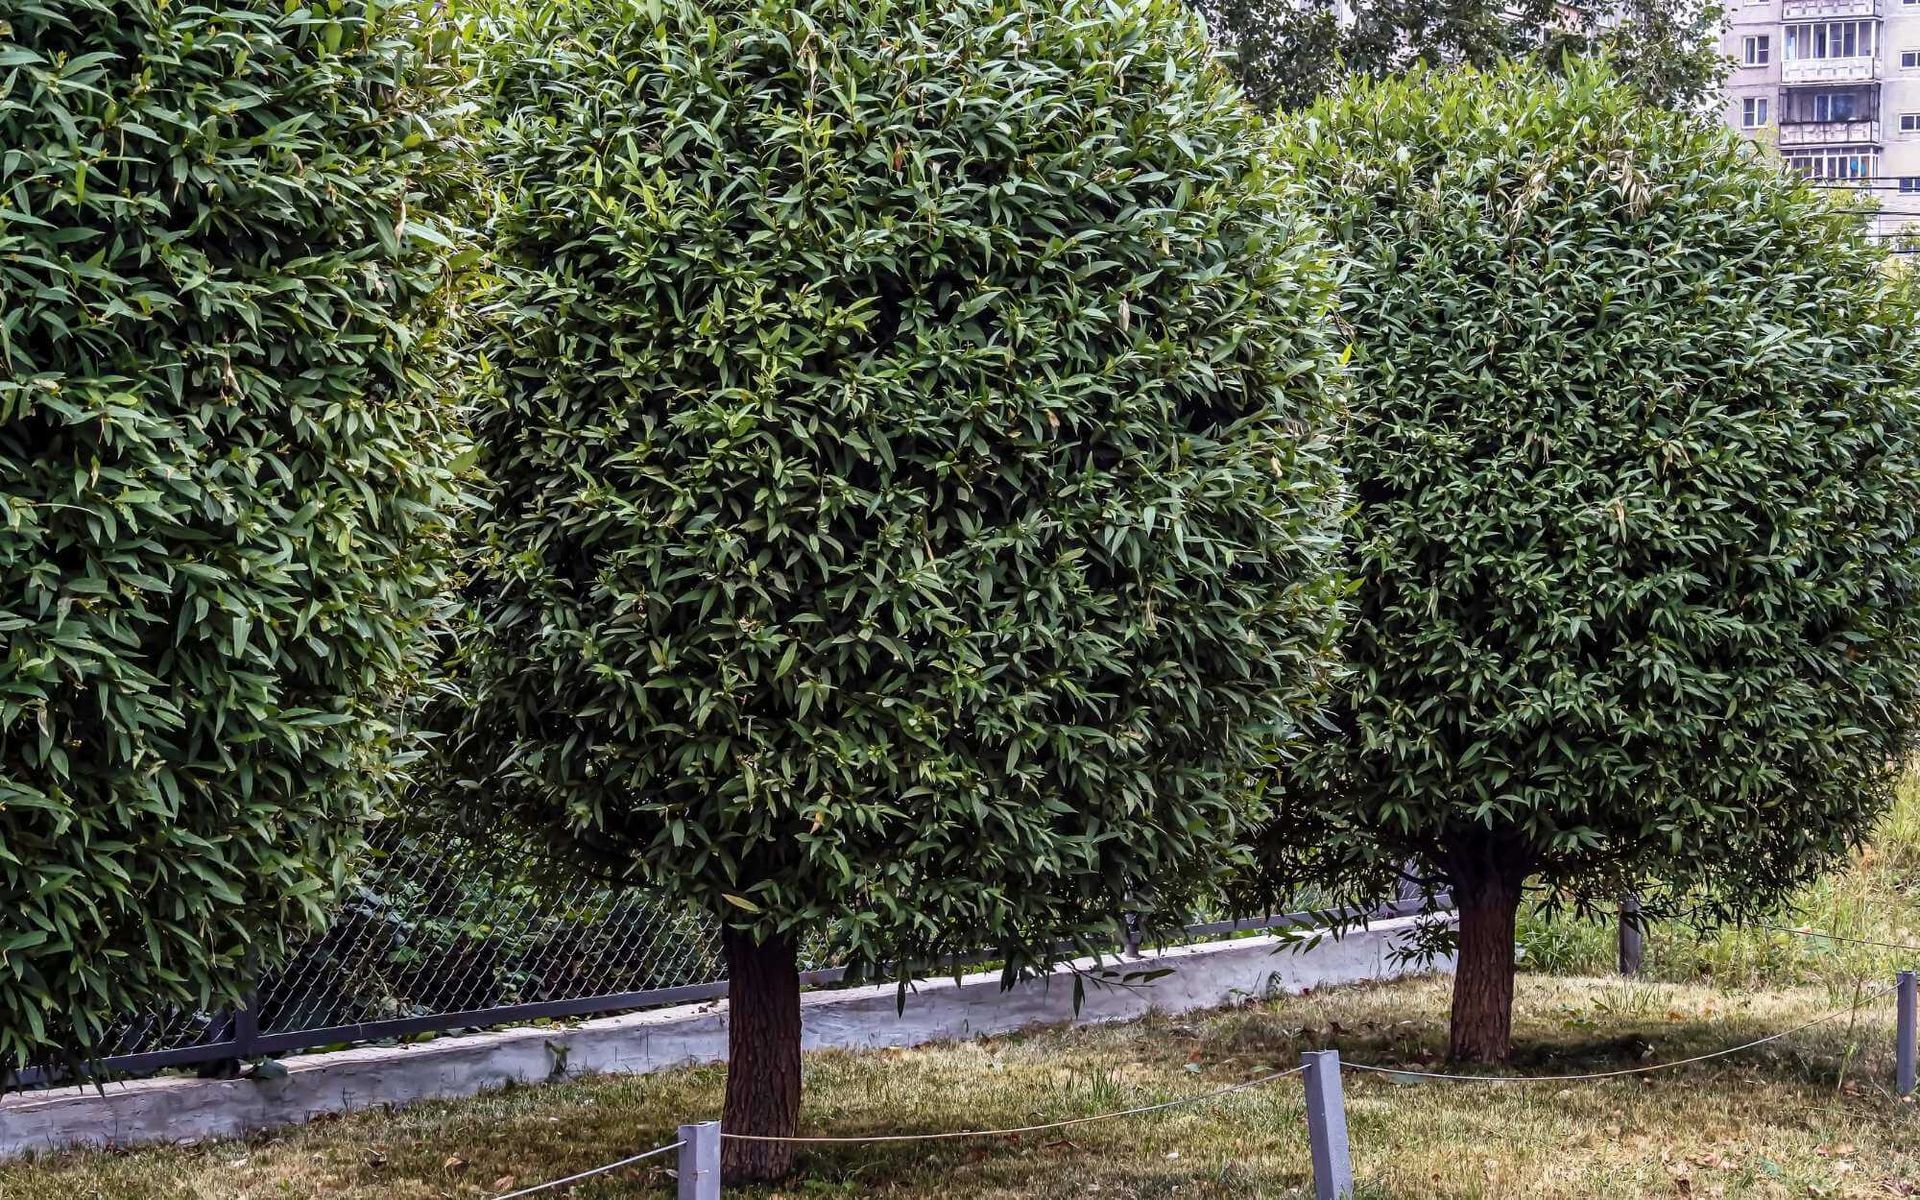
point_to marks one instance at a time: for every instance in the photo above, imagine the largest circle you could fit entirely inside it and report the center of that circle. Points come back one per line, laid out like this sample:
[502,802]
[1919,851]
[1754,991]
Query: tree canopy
[1287,53]
[223,472]
[1633,449]
[912,496]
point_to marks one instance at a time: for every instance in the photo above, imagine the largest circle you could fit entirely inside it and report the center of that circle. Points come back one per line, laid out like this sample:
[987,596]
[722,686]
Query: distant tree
[1636,459]
[912,491]
[224,477]
[1287,53]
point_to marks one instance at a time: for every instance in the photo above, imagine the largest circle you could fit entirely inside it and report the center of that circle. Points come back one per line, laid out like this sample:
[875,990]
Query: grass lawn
[1809,1115]
[1876,897]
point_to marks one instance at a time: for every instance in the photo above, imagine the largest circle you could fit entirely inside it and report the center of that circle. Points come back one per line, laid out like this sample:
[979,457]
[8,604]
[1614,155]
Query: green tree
[912,505]
[1633,446]
[222,473]
[1287,53]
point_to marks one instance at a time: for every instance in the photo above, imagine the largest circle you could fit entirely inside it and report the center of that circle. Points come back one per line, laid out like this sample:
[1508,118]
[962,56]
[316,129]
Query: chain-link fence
[436,935]
[428,930]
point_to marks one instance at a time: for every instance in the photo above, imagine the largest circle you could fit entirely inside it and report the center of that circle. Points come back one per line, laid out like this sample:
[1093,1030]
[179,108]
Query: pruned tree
[224,482]
[1633,446]
[912,502]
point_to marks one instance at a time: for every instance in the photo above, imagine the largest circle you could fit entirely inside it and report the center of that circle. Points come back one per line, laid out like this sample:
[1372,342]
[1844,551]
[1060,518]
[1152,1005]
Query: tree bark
[763,1057]
[1487,896]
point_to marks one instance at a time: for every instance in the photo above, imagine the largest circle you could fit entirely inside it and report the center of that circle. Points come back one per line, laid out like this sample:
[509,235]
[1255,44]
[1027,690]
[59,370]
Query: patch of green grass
[1809,1115]
[1875,898]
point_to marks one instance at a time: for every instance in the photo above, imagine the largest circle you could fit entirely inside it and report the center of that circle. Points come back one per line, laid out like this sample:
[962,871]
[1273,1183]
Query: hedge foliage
[1633,444]
[223,456]
[914,501]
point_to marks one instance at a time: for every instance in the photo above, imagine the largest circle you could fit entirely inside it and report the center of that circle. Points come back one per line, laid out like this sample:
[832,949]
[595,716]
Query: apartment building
[1835,85]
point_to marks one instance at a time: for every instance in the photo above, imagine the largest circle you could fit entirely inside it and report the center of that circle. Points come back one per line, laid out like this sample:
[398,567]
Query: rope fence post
[1327,1126]
[700,1161]
[1633,935]
[1904,1039]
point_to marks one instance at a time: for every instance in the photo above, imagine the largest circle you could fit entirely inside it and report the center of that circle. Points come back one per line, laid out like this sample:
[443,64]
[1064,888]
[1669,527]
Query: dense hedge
[222,459]
[1635,452]
[913,497]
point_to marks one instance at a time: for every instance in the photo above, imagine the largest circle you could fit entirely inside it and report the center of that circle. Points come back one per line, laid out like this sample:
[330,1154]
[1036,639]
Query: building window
[1755,50]
[1831,39]
[1910,183]
[1835,106]
[1910,122]
[1841,164]
[1909,59]
[1753,112]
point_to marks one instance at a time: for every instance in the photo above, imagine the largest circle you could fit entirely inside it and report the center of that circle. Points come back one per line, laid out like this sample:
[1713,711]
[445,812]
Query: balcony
[1858,69]
[1823,10]
[1828,133]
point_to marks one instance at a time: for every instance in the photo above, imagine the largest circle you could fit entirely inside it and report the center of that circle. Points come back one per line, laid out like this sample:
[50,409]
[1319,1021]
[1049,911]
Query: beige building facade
[1834,86]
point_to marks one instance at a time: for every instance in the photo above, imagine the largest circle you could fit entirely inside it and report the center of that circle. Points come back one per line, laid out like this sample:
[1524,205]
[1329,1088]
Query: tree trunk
[763,1057]
[1487,896]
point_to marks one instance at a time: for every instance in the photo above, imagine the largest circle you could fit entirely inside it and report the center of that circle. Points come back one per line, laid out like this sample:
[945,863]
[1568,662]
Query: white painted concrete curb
[1205,975]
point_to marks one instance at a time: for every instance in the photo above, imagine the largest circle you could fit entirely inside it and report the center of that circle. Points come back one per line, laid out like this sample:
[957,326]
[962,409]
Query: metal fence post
[700,1161]
[1904,1039]
[1327,1126]
[1632,935]
[246,1026]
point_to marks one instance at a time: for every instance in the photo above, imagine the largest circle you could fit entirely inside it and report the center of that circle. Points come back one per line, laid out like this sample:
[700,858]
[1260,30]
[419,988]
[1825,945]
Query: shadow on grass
[1827,1055]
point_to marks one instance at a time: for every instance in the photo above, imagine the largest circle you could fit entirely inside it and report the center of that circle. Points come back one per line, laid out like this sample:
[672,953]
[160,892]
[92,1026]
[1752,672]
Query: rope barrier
[977,1133]
[612,1166]
[1218,1093]
[1644,1070]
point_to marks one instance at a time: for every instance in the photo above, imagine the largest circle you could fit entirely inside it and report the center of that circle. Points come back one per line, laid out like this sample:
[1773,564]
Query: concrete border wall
[180,1110]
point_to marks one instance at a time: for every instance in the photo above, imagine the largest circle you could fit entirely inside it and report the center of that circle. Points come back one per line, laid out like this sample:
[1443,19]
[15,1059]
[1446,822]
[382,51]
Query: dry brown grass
[1806,1116]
